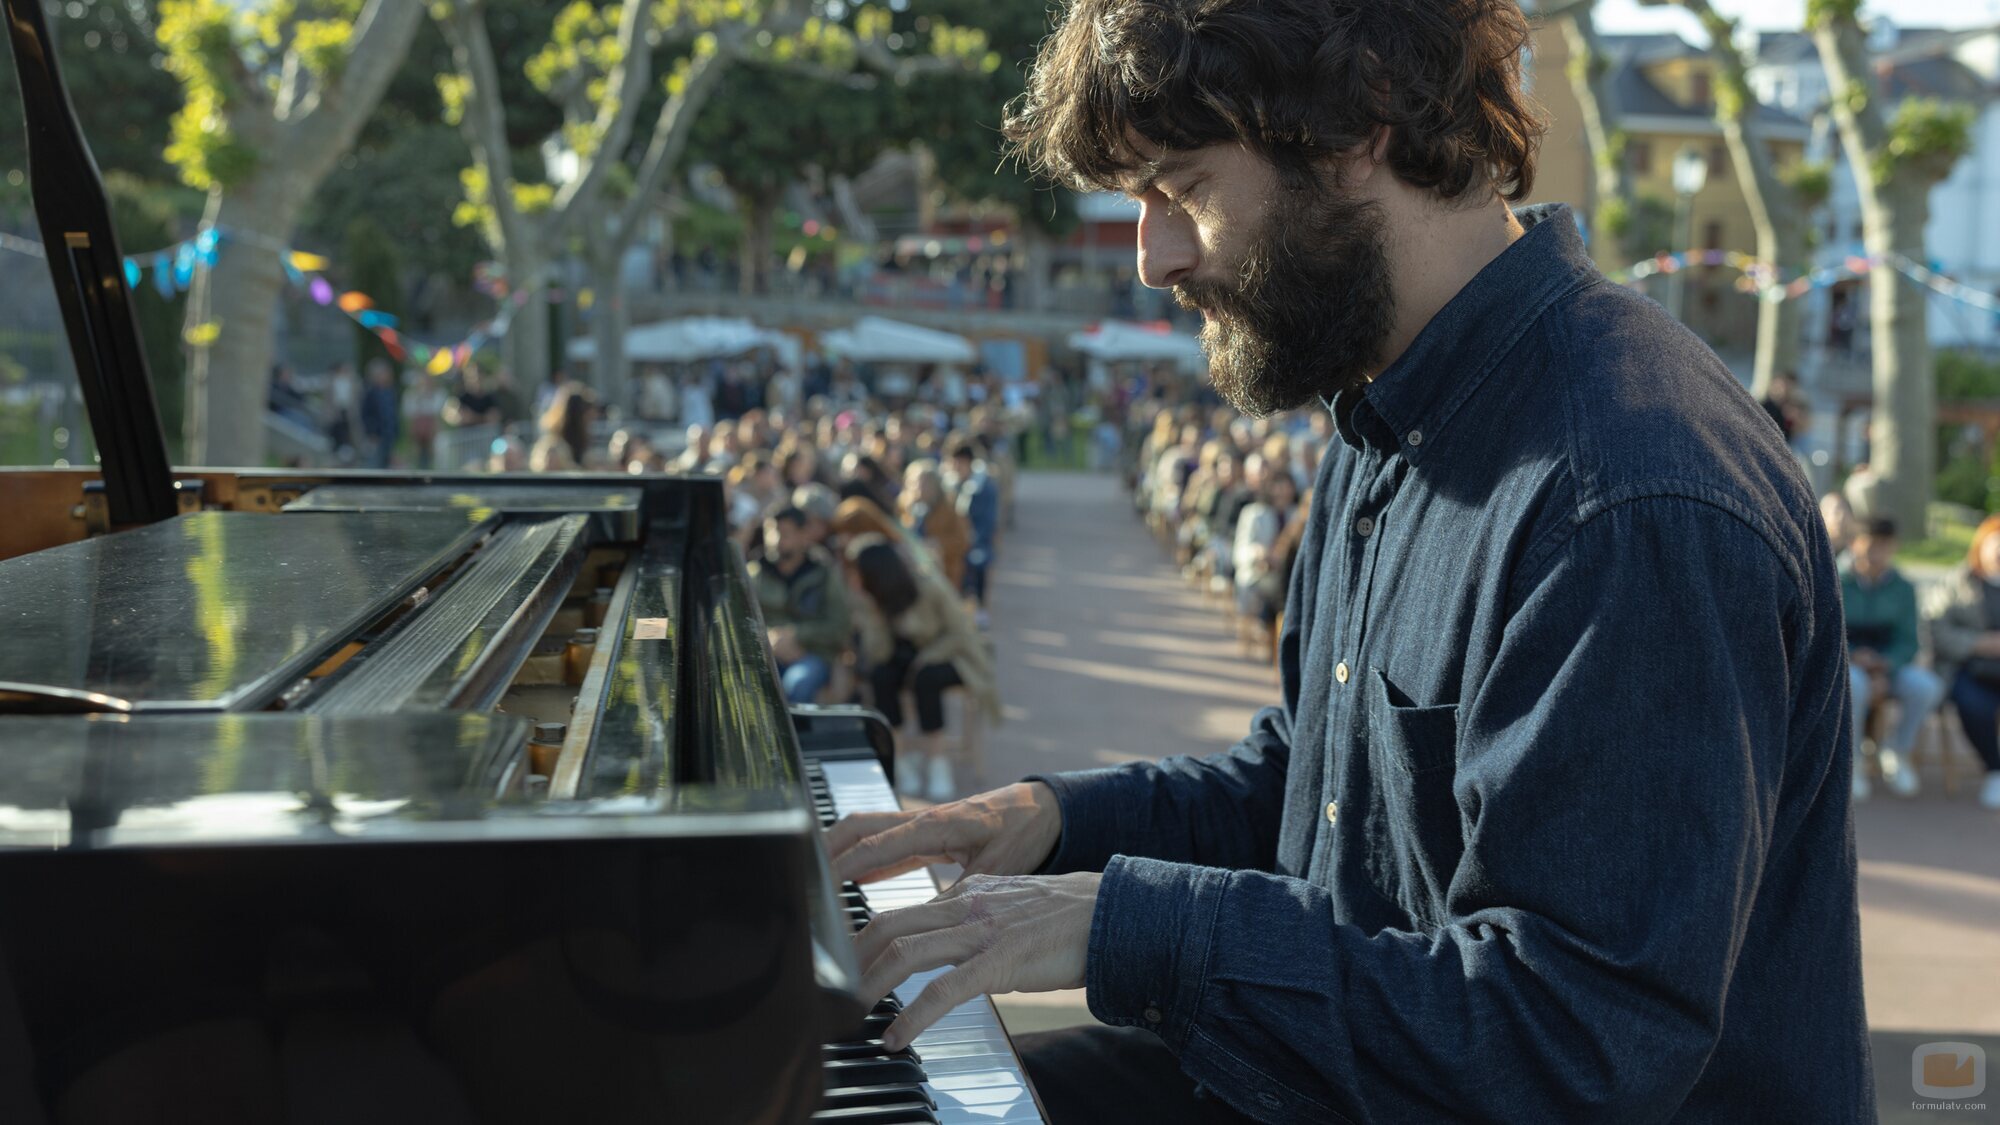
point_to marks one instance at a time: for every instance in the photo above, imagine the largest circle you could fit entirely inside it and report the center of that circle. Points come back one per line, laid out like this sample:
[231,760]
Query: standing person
[1881,611]
[979,503]
[381,413]
[804,599]
[1966,639]
[916,637]
[343,410]
[1781,402]
[1548,826]
[423,407]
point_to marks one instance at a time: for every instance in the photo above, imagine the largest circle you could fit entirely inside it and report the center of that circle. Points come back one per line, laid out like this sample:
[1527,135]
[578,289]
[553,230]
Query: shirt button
[1340,671]
[1332,812]
[1364,527]
[1416,437]
[1153,1015]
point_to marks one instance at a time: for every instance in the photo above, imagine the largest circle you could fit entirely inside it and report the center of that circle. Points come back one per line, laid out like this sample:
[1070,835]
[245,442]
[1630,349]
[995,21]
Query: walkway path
[1106,655]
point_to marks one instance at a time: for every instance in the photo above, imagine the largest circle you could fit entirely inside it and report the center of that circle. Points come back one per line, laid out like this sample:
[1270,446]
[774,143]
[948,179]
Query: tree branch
[382,36]
[484,120]
[615,118]
[675,125]
[1843,51]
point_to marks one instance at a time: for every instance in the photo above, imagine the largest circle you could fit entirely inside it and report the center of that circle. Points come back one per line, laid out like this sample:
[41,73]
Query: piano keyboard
[964,1066]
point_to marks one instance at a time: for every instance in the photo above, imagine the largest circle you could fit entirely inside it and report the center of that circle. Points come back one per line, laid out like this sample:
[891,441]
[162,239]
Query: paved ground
[1106,656]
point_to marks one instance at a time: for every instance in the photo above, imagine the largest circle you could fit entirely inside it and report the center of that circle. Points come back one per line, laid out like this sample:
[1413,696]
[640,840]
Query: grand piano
[345,796]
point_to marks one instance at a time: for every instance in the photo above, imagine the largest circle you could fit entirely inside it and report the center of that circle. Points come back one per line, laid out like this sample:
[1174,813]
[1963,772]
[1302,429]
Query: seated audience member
[1881,608]
[929,513]
[979,503]
[804,599]
[819,503]
[1838,515]
[1966,639]
[1257,530]
[915,636]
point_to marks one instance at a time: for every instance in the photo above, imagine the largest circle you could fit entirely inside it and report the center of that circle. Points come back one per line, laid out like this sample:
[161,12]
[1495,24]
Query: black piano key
[877,1095]
[887,1006]
[866,1049]
[878,1115]
[871,1027]
[871,1072]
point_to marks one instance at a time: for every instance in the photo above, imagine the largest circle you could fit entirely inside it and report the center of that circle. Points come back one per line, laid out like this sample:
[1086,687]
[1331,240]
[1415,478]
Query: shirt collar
[1406,406]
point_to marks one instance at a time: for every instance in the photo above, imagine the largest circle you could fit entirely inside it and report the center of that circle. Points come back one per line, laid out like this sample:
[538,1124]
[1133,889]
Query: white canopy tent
[1118,341]
[687,339]
[875,339]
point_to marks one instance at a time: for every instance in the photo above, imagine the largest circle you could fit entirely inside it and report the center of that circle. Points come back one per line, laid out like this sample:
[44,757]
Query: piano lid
[614,511]
[80,782]
[210,611]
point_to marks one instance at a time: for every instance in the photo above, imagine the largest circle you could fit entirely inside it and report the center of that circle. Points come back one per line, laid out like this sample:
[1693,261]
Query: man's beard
[1309,311]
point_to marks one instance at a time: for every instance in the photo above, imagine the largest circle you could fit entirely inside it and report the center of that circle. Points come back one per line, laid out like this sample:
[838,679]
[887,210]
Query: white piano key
[972,1070]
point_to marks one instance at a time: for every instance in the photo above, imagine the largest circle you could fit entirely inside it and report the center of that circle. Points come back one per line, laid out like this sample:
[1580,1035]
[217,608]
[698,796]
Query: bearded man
[1552,823]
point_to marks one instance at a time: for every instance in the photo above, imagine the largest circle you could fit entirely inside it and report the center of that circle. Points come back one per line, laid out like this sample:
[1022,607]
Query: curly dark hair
[1297,80]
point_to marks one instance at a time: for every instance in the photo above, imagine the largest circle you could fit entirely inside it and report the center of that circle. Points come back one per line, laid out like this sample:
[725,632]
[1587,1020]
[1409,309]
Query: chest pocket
[1415,836]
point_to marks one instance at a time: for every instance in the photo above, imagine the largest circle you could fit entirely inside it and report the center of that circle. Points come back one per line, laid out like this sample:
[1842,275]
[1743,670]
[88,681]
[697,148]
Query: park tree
[273,95]
[1781,199]
[598,69]
[1897,158]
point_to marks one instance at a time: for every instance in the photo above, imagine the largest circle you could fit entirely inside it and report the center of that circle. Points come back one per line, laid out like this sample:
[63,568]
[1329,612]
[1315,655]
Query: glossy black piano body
[266,786]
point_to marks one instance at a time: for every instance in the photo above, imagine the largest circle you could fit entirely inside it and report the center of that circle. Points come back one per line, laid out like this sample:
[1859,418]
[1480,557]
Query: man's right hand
[1005,831]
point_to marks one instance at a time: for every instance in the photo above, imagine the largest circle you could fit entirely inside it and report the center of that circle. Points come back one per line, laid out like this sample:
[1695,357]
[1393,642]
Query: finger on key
[910,954]
[850,829]
[938,997]
[892,924]
[917,842]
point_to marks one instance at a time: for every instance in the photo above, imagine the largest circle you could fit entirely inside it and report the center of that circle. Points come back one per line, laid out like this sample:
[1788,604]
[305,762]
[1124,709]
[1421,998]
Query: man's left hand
[1021,933]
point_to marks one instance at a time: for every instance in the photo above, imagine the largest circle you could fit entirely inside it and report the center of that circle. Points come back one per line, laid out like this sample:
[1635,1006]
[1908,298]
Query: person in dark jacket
[803,594]
[1549,823]
[381,413]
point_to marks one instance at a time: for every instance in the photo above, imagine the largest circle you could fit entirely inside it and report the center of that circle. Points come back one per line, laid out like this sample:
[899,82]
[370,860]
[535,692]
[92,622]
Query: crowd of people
[1227,495]
[1917,651]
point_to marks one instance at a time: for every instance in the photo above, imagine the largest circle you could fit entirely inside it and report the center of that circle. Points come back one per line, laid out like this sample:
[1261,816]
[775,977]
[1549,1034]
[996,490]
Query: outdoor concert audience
[915,636]
[803,596]
[1965,637]
[1881,607]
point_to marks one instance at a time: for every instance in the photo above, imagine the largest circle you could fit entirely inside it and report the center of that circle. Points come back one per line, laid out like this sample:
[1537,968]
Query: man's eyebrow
[1153,171]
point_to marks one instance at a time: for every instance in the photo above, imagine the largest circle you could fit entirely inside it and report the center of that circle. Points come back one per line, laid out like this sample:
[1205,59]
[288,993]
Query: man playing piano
[1552,823]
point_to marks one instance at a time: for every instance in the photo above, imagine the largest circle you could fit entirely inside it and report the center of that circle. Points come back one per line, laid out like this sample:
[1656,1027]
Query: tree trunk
[754,254]
[608,373]
[1034,291]
[1903,430]
[229,378]
[1610,181]
[1780,324]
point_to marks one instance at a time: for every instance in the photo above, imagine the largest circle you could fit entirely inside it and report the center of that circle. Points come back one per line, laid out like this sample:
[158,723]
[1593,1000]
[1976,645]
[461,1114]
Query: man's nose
[1168,246]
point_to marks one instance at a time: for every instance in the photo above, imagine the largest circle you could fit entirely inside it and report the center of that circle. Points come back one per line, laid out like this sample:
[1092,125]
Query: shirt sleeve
[1903,644]
[1616,779]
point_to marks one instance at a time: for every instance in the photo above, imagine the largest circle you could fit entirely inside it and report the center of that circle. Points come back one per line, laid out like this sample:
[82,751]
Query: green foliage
[121,96]
[1640,226]
[1810,180]
[1967,474]
[1926,137]
[226,56]
[1826,13]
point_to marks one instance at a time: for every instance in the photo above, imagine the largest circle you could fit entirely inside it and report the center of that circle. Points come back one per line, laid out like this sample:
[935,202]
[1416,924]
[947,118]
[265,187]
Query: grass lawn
[1945,548]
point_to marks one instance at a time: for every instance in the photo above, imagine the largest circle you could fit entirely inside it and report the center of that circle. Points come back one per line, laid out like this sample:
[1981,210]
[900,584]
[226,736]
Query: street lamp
[1690,173]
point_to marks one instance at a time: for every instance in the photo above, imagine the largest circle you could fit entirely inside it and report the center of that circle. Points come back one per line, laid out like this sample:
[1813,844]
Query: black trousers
[1098,1075]
[928,685]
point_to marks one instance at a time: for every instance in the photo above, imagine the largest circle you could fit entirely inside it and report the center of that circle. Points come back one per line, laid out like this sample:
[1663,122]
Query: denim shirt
[1552,823]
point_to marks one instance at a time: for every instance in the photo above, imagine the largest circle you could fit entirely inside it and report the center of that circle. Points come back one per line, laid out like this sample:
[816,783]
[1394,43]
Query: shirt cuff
[1149,943]
[1089,803]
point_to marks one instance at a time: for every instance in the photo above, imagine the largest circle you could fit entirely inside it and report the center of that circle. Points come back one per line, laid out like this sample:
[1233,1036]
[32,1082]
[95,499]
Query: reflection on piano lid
[614,511]
[210,611]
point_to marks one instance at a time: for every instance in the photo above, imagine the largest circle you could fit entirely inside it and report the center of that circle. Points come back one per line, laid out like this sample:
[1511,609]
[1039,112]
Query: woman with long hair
[916,637]
[1965,639]
[928,511]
